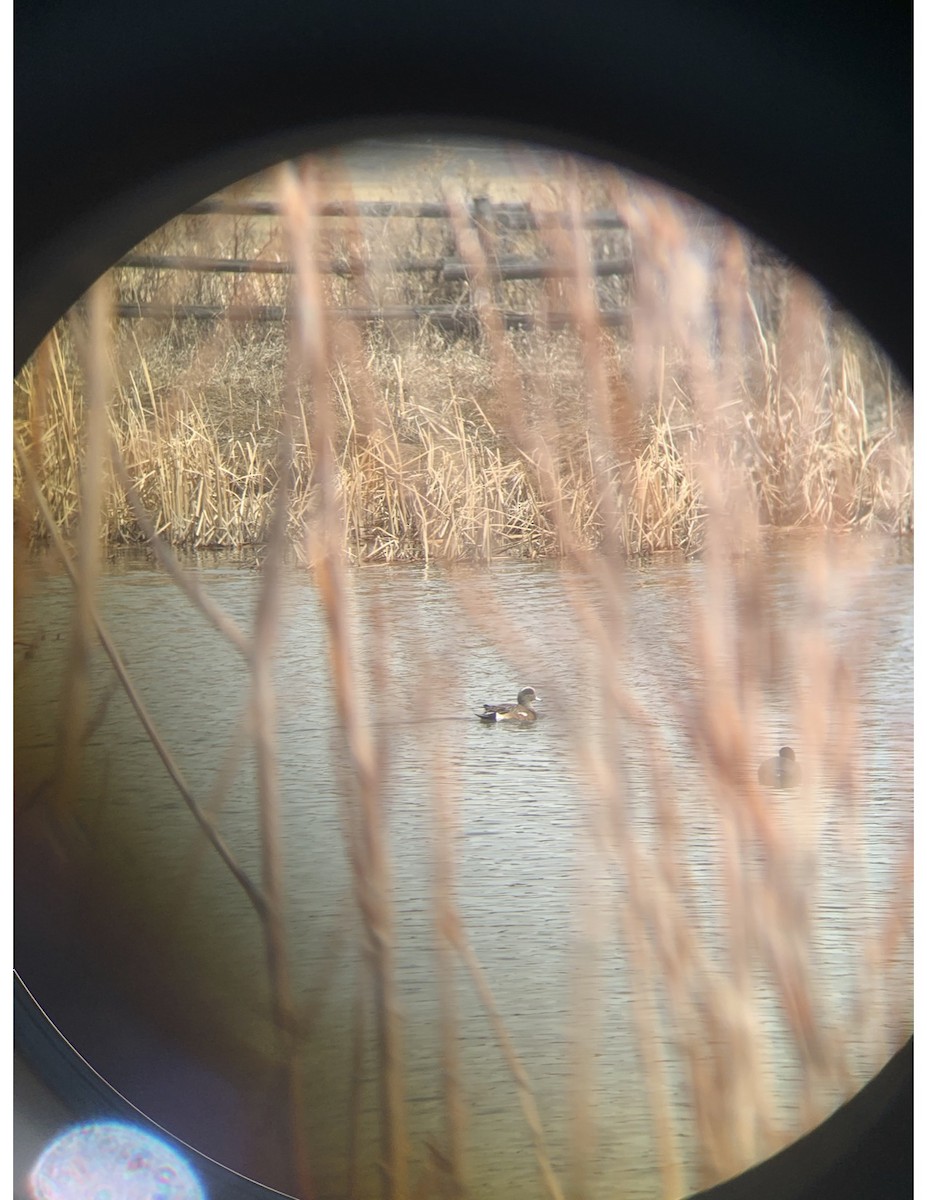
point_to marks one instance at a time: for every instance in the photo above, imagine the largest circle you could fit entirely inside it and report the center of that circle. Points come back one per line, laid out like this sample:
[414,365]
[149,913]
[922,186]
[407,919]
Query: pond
[151,959]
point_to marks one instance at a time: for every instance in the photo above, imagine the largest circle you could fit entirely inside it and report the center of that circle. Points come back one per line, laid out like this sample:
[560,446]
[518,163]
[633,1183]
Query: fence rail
[450,318]
[512,215]
[449,270]
[488,219]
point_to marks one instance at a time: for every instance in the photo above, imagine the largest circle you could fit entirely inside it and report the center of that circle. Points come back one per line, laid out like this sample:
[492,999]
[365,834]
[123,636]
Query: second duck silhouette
[782,771]
[522,710]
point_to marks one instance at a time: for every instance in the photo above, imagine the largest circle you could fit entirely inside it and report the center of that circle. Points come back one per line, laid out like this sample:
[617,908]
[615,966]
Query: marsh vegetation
[495,443]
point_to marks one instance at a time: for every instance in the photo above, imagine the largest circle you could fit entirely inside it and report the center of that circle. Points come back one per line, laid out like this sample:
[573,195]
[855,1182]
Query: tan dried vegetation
[434,458]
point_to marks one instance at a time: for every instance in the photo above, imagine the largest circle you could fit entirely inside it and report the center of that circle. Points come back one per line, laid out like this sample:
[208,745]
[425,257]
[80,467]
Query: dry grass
[435,457]
[430,463]
[428,469]
[709,428]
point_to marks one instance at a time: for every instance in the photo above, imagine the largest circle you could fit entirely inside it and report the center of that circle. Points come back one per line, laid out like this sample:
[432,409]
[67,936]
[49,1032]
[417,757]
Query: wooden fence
[491,222]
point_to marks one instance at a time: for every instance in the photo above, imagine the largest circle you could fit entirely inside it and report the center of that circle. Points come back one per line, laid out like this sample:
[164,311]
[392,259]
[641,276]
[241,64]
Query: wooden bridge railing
[486,217]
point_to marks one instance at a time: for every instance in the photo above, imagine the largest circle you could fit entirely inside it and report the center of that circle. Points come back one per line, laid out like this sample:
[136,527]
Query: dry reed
[427,466]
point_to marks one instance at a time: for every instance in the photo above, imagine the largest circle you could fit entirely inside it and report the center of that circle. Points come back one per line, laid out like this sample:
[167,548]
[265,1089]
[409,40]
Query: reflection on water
[540,904]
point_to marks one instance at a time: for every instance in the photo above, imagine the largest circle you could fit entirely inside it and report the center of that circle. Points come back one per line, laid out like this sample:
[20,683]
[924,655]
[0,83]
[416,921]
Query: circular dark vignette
[797,121]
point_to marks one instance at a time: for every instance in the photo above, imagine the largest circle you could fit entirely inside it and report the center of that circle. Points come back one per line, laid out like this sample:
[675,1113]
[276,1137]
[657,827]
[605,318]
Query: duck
[522,710]
[782,771]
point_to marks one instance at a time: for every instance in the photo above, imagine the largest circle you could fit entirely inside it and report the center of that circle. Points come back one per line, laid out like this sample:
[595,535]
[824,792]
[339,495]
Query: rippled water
[527,877]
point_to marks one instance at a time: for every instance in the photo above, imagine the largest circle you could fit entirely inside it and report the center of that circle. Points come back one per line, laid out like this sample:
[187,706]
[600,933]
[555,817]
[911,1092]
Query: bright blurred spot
[108,1160]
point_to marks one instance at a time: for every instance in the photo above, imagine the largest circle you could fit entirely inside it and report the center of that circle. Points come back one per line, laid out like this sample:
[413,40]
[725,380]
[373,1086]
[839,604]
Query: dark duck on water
[521,711]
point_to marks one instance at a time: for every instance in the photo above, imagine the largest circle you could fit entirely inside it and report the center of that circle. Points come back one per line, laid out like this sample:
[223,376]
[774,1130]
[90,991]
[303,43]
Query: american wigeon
[522,710]
[782,771]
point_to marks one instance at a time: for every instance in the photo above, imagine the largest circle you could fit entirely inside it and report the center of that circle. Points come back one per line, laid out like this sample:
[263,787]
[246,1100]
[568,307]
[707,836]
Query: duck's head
[527,697]
[787,753]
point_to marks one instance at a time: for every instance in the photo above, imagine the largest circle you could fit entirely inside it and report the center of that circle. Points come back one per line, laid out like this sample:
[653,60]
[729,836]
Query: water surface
[539,899]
